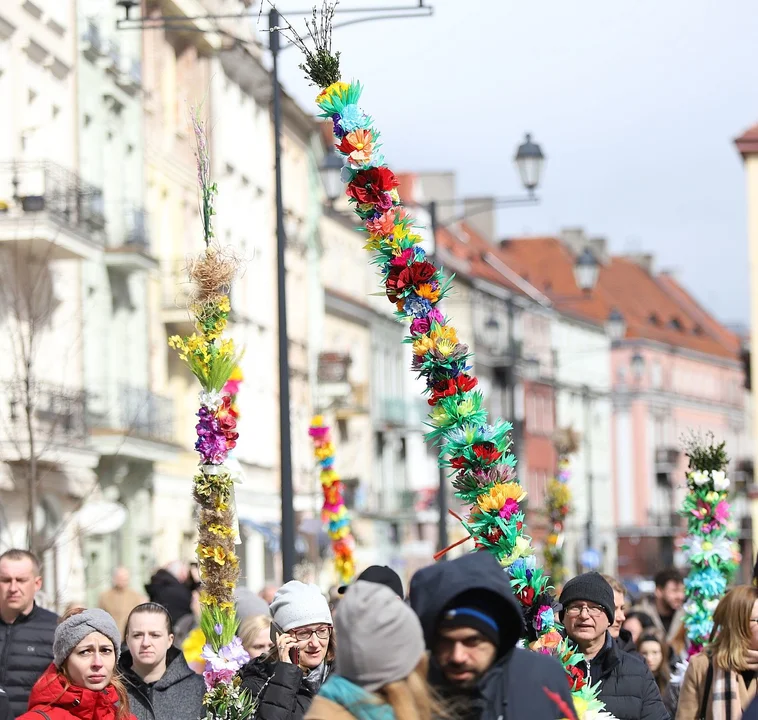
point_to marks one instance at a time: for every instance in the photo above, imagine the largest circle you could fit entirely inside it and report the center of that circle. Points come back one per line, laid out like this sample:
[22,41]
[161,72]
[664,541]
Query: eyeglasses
[592,610]
[322,633]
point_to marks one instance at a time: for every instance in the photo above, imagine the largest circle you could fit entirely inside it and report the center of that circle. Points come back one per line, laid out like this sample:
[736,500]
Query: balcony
[57,416]
[132,422]
[92,41]
[129,250]
[50,210]
[395,412]
[176,290]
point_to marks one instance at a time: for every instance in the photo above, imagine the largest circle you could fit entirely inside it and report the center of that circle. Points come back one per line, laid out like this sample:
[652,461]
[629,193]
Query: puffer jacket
[280,689]
[26,649]
[627,686]
[51,697]
[514,686]
[177,695]
[5,706]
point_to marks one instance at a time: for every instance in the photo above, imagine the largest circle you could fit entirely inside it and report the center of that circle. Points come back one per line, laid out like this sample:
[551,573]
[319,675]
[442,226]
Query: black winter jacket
[175,596]
[514,687]
[627,686]
[26,651]
[280,689]
[178,694]
[5,706]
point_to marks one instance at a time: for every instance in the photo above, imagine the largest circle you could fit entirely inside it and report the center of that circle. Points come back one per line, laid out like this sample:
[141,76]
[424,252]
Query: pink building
[676,370]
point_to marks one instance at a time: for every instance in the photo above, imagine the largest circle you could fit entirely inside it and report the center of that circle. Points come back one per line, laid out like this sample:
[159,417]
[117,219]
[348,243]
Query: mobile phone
[294,651]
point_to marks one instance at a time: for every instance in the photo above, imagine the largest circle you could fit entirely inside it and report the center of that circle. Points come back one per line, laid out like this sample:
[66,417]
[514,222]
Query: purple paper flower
[217,628]
[420,326]
[222,666]
[338,131]
[211,440]
[385,202]
[435,316]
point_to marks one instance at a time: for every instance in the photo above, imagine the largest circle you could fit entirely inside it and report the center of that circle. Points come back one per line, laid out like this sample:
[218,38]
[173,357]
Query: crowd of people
[450,650]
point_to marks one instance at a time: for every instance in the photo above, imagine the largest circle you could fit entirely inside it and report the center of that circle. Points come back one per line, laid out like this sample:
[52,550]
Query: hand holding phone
[287,648]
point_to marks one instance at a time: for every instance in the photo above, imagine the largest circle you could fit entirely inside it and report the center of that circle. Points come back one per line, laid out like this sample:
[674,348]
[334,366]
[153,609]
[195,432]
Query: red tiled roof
[654,307]
[747,143]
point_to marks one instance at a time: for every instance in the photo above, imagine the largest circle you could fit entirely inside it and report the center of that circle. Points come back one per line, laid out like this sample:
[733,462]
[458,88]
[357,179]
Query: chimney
[575,239]
[644,260]
[439,186]
[480,215]
[599,247]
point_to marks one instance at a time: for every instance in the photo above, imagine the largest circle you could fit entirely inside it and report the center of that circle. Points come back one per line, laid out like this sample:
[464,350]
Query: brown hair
[412,698]
[18,554]
[731,628]
[151,608]
[663,674]
[122,711]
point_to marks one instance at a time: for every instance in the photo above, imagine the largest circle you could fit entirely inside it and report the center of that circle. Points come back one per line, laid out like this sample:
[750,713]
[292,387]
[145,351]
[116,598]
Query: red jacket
[50,696]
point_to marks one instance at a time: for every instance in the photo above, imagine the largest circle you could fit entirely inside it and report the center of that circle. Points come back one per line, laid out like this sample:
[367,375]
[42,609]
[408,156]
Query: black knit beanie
[592,587]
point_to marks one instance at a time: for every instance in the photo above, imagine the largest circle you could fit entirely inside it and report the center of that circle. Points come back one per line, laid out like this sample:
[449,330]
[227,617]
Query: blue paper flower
[416,306]
[353,118]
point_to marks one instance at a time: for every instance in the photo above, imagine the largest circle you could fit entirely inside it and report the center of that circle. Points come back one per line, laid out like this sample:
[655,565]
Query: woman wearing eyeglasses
[721,681]
[286,680]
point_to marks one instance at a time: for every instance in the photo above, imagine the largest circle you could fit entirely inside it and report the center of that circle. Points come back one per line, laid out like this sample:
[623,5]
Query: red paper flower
[369,186]
[494,535]
[416,274]
[466,382]
[575,678]
[526,596]
[486,452]
[458,462]
[442,389]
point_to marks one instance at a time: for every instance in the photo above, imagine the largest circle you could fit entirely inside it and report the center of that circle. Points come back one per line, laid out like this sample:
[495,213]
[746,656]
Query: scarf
[725,703]
[316,677]
[360,703]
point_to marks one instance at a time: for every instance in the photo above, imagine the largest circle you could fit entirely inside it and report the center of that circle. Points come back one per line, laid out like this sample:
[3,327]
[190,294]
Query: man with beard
[665,607]
[472,622]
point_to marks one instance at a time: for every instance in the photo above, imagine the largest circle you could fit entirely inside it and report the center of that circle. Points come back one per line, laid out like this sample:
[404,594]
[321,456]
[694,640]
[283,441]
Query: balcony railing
[58,414]
[401,412]
[29,188]
[133,411]
[135,229]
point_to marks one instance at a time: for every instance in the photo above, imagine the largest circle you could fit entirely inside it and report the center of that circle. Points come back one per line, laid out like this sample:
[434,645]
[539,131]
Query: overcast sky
[635,102]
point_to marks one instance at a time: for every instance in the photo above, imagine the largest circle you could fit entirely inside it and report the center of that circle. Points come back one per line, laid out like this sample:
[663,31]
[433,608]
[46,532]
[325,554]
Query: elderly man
[626,685]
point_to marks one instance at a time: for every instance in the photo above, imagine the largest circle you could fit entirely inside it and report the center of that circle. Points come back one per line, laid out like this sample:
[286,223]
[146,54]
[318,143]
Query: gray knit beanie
[379,638]
[296,604]
[76,627]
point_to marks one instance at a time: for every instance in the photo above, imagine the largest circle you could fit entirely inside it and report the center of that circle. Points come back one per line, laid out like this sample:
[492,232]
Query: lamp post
[184,23]
[586,271]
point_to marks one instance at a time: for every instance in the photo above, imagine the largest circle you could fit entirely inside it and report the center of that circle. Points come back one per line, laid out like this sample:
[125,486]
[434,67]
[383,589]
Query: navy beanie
[473,609]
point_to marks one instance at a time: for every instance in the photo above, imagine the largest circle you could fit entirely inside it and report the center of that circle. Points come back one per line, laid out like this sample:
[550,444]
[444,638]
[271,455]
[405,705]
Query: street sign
[591,559]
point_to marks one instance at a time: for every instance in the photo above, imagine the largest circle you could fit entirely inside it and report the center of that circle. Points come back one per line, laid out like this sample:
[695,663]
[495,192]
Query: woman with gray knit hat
[285,681]
[81,683]
[381,664]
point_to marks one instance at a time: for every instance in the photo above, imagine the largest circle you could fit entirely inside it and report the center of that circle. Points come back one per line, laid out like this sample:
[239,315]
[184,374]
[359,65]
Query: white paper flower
[720,480]
[211,399]
[699,477]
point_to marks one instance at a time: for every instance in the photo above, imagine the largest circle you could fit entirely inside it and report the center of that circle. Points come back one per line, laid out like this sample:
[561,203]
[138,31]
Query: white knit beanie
[296,604]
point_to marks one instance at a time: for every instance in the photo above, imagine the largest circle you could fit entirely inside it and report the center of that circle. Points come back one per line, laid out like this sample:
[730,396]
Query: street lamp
[529,160]
[615,326]
[586,271]
[331,176]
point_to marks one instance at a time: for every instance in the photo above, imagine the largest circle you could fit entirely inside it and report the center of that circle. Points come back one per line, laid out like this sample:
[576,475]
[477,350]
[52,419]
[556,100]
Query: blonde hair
[412,698]
[615,584]
[731,628]
[251,626]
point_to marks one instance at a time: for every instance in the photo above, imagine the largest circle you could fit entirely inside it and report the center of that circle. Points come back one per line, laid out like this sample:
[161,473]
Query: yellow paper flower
[425,290]
[445,347]
[423,345]
[498,495]
[219,555]
[335,90]
[193,645]
[325,451]
[445,332]
[580,705]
